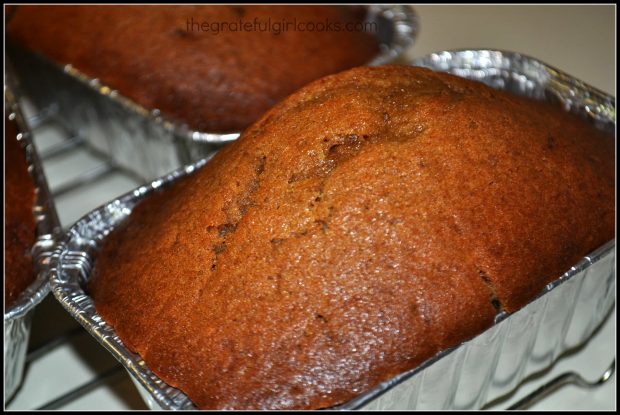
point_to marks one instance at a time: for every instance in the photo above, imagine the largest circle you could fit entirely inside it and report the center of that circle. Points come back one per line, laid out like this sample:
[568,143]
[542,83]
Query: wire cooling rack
[67,369]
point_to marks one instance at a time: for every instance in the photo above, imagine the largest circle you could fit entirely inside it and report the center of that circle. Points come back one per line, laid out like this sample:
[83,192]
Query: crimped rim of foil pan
[571,92]
[47,223]
[404,22]
[401,20]
[71,295]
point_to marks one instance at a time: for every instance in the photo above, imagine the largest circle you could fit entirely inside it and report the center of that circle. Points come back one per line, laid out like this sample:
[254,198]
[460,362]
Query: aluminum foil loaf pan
[17,318]
[141,139]
[563,316]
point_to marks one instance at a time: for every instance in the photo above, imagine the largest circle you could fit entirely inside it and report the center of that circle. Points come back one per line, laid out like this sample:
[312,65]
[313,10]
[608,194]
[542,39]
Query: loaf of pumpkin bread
[214,68]
[369,221]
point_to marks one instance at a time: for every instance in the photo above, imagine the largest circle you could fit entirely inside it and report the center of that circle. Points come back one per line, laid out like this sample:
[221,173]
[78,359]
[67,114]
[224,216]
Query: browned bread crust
[213,82]
[19,223]
[367,222]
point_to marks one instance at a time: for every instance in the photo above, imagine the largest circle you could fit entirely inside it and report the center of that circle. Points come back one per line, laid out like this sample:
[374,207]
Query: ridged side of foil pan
[17,318]
[141,139]
[563,316]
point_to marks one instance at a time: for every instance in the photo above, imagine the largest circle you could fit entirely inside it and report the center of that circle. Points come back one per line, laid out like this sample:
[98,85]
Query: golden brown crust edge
[367,222]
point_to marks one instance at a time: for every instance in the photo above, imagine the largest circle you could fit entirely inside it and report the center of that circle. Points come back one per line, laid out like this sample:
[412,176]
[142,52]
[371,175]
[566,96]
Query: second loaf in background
[216,80]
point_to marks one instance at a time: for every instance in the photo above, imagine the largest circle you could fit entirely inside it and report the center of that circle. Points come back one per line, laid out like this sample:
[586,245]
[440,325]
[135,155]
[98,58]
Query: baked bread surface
[19,223]
[367,222]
